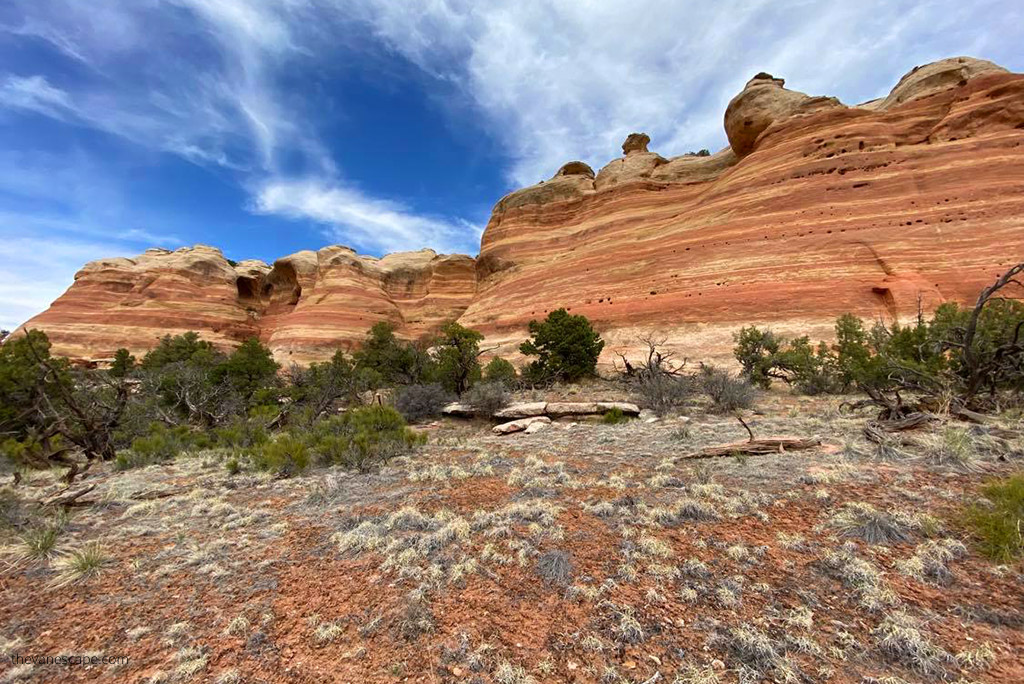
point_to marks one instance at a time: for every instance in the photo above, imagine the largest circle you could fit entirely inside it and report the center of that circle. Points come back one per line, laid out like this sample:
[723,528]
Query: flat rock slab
[519,425]
[557,409]
[626,407]
[526,410]
[458,410]
[573,408]
[536,426]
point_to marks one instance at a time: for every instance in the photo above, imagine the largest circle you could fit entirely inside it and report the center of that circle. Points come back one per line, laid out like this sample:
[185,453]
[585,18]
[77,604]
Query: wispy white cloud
[34,93]
[349,214]
[562,79]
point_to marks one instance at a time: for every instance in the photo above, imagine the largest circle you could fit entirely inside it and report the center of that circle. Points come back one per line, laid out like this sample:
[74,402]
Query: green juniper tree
[566,346]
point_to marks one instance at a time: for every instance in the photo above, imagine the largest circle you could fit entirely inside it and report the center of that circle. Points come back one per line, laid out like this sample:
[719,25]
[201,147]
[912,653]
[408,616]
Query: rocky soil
[584,552]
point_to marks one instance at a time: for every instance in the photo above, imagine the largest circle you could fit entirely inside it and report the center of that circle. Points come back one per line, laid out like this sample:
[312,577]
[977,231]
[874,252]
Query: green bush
[161,444]
[123,363]
[250,371]
[187,347]
[567,348]
[456,350]
[249,431]
[287,455]
[390,361]
[500,370]
[998,520]
[614,417]
[420,402]
[362,438]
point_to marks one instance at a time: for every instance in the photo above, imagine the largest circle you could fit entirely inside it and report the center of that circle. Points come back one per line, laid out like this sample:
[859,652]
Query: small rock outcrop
[762,102]
[519,425]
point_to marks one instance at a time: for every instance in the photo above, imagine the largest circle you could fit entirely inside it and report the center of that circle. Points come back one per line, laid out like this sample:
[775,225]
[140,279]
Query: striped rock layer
[815,209]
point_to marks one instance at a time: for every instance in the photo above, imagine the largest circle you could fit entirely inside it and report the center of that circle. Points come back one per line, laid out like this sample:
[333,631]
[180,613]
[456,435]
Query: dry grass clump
[37,544]
[875,526]
[900,639]
[80,564]
[538,474]
[756,653]
[555,567]
[860,576]
[929,562]
[191,661]
[507,673]
[953,447]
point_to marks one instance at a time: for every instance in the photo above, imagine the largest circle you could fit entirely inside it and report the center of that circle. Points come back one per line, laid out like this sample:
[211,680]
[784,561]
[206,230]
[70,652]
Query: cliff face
[815,209]
[304,306]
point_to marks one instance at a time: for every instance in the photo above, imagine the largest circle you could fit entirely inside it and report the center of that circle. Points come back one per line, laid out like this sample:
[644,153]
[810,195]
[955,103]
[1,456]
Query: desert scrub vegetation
[997,520]
[486,398]
[901,639]
[727,393]
[875,526]
[420,402]
[80,564]
[861,576]
[930,561]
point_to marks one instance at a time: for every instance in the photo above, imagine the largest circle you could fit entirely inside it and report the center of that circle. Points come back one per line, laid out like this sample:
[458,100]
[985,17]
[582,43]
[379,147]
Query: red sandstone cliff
[815,209]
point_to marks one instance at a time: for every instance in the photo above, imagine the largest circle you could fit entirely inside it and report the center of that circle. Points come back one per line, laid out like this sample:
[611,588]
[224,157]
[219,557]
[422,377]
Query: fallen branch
[755,447]
[151,494]
[911,422]
[69,499]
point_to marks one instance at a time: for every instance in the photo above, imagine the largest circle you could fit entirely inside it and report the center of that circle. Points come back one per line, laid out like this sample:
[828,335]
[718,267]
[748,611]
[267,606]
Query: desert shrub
[500,370]
[160,444]
[487,398]
[245,432]
[187,347]
[614,417]
[997,521]
[123,365]
[419,402]
[756,350]
[456,350]
[662,392]
[286,455]
[313,390]
[362,438]
[567,347]
[390,361]
[727,393]
[765,356]
[250,371]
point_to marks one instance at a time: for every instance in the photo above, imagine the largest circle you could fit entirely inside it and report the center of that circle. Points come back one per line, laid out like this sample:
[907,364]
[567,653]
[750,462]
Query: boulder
[535,426]
[762,102]
[637,163]
[922,81]
[525,410]
[519,425]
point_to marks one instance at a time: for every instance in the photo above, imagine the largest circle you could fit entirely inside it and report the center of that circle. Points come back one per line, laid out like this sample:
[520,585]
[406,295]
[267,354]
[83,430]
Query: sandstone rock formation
[814,209]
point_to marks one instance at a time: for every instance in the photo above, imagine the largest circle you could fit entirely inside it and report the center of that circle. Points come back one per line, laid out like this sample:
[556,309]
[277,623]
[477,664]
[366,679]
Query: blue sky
[268,126]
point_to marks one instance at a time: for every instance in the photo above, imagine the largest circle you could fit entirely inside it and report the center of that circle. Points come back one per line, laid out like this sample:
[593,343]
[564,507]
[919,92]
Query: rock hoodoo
[814,209]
